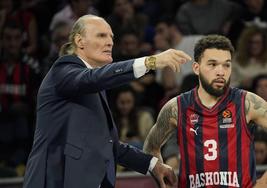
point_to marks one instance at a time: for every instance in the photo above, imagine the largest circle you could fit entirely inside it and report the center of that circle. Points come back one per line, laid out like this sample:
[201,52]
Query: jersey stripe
[223,140]
[199,142]
[246,181]
[182,170]
[232,144]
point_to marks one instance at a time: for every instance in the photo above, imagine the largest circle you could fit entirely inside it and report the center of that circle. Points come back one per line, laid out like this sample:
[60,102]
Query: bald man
[76,142]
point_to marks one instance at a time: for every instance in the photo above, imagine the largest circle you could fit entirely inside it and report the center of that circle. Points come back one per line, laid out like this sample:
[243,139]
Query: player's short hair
[212,41]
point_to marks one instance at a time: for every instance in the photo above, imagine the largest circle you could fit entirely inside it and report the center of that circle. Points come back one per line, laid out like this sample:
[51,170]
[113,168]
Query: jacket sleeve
[133,158]
[71,78]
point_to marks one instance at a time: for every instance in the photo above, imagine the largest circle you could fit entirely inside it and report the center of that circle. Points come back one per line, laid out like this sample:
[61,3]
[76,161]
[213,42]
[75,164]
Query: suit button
[110,141]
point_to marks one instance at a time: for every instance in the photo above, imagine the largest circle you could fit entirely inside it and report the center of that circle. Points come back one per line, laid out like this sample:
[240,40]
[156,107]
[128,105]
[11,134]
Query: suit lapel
[103,96]
[106,108]
[111,122]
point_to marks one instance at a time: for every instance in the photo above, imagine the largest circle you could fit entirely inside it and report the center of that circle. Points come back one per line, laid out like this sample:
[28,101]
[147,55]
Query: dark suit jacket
[75,136]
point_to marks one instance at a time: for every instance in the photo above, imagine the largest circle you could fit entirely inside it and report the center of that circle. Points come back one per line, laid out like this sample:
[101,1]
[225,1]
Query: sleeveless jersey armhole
[243,115]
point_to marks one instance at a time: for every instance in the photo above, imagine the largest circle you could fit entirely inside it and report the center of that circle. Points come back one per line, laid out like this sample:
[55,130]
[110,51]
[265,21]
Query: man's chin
[218,92]
[107,61]
[110,60]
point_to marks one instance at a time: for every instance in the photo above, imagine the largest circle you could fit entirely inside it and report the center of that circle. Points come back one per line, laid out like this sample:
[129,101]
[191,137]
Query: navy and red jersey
[216,144]
[19,84]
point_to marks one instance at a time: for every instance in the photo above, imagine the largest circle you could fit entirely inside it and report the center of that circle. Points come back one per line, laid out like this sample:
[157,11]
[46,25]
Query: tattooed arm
[162,130]
[256,109]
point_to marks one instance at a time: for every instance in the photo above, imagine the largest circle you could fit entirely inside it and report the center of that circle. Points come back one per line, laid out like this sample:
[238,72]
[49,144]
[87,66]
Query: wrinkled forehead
[97,24]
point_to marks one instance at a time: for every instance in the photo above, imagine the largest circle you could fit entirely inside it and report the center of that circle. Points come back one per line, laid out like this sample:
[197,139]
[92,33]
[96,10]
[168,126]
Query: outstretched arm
[256,109]
[161,131]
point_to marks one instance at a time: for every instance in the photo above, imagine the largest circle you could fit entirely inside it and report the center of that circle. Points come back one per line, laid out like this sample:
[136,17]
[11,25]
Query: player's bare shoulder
[169,113]
[256,109]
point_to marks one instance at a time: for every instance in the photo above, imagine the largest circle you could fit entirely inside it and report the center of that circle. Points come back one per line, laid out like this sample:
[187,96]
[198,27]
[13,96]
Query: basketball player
[213,121]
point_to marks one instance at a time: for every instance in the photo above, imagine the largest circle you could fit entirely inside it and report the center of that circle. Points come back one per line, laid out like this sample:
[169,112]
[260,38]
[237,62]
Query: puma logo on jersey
[194,130]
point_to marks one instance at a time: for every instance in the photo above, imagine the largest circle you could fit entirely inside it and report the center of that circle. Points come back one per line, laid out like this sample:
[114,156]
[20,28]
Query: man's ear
[79,41]
[195,67]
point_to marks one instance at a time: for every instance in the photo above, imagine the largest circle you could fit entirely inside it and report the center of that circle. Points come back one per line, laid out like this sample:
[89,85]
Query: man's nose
[110,42]
[220,70]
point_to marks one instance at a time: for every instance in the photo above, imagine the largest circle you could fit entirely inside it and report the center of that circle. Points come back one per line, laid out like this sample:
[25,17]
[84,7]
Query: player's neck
[206,99]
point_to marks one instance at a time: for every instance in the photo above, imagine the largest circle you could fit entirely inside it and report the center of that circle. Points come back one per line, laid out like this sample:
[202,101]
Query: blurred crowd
[32,31]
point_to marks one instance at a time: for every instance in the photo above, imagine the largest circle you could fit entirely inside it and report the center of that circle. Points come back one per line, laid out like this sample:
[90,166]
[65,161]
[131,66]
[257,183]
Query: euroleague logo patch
[227,121]
[226,114]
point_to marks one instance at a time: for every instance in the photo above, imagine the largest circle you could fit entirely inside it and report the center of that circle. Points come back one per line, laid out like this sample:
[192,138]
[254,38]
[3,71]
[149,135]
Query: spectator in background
[169,84]
[163,31]
[18,86]
[124,17]
[253,13]
[19,71]
[260,145]
[11,12]
[132,121]
[129,46]
[43,10]
[151,8]
[59,36]
[169,7]
[251,56]
[206,16]
[160,43]
[168,35]
[259,85]
[72,11]
[145,87]
[167,28]
[254,10]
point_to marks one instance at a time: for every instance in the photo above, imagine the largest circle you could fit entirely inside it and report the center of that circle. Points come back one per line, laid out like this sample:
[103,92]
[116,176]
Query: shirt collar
[86,64]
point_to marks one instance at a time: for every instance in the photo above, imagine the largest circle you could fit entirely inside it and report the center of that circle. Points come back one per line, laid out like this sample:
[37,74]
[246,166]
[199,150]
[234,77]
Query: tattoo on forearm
[258,105]
[166,124]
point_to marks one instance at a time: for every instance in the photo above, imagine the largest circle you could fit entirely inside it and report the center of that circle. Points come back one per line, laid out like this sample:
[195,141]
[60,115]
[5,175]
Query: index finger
[183,55]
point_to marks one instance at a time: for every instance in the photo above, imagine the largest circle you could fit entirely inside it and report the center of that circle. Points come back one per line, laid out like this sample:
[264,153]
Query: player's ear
[195,67]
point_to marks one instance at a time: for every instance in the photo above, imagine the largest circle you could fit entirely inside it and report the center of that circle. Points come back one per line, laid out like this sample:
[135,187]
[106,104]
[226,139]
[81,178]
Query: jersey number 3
[212,150]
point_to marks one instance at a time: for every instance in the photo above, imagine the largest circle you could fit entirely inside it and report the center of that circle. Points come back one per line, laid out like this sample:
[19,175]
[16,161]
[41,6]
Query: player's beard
[211,90]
